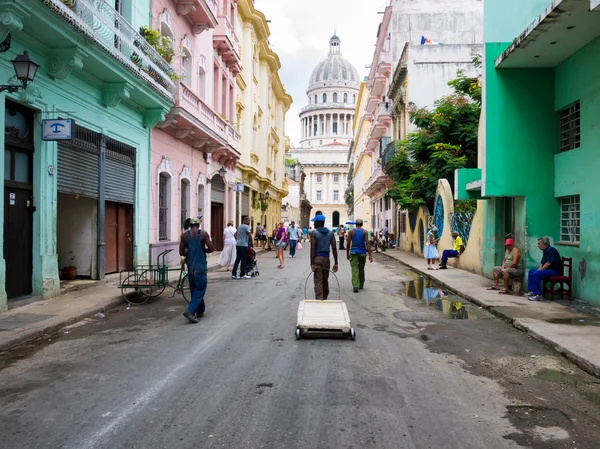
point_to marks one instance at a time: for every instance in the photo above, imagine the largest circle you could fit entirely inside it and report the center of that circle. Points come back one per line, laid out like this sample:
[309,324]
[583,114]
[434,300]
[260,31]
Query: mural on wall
[438,215]
[461,222]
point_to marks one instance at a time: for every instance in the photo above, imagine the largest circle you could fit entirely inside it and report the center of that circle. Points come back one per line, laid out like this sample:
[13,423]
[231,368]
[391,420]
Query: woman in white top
[227,256]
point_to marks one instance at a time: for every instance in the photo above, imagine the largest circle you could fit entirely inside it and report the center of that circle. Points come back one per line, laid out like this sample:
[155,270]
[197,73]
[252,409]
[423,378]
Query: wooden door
[125,236]
[216,225]
[18,228]
[111,225]
[118,237]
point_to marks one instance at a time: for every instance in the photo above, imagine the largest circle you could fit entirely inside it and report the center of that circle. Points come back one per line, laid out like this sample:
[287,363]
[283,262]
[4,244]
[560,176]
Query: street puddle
[563,377]
[451,306]
[575,321]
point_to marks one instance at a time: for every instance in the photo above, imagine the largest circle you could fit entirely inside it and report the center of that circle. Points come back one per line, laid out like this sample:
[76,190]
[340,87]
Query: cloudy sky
[300,33]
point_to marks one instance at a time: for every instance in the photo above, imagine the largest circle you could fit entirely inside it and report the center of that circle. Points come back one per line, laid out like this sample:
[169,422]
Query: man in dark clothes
[551,265]
[322,241]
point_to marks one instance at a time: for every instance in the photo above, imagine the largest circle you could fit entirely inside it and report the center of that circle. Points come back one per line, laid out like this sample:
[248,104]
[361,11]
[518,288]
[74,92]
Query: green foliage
[445,140]
[162,44]
[291,161]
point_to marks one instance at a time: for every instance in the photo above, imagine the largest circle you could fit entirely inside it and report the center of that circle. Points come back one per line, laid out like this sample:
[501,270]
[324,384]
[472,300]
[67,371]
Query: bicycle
[150,281]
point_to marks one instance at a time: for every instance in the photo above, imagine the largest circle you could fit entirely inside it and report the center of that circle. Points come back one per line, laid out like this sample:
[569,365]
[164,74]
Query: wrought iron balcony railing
[388,152]
[98,21]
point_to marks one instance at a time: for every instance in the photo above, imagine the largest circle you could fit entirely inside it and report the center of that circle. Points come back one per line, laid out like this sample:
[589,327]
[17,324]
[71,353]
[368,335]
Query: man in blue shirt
[242,235]
[356,252]
[322,242]
[551,265]
[292,235]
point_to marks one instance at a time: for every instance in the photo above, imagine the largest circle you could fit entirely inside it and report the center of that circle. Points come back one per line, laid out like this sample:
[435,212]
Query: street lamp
[25,69]
[222,172]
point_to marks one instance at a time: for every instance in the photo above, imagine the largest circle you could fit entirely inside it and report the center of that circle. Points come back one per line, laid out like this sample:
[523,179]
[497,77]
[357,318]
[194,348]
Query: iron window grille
[570,128]
[570,225]
[163,207]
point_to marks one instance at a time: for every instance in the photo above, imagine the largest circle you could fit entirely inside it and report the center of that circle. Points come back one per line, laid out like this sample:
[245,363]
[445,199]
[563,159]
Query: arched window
[354,99]
[324,98]
[335,97]
[345,98]
[185,200]
[316,99]
[164,205]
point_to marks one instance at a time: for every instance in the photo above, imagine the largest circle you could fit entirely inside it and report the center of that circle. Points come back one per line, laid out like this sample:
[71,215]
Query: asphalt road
[433,373]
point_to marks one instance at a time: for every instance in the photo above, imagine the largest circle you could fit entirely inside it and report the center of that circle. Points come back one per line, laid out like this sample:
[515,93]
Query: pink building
[196,147]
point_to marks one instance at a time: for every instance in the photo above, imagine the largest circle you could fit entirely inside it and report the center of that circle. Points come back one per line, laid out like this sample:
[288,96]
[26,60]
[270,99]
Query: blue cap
[319,218]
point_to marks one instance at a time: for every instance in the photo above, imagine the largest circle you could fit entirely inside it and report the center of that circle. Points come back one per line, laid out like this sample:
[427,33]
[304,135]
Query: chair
[561,281]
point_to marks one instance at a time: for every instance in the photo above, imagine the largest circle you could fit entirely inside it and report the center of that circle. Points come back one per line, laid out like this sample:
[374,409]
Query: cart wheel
[155,290]
[134,291]
[352,334]
[298,335]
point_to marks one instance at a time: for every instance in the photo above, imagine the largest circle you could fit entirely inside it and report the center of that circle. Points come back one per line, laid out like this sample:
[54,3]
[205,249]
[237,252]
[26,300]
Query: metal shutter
[217,190]
[77,171]
[119,172]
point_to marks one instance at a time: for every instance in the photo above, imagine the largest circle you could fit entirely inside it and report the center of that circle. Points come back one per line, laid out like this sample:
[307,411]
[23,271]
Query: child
[431,252]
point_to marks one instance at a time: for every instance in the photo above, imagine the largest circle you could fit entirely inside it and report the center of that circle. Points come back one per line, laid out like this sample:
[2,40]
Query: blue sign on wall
[59,129]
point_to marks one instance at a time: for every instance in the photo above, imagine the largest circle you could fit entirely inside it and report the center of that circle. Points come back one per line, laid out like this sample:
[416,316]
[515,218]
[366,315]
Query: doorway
[118,237]
[18,199]
[217,211]
[335,219]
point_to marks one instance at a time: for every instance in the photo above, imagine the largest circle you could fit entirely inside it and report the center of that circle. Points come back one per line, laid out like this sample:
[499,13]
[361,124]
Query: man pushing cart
[322,242]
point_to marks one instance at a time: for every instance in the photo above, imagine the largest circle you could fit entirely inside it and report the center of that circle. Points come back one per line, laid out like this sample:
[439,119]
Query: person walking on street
[341,237]
[292,235]
[257,234]
[281,238]
[322,241]
[194,245]
[356,252]
[228,255]
[242,235]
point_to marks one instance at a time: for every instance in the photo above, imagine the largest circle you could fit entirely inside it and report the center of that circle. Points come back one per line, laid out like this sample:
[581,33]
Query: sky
[300,33]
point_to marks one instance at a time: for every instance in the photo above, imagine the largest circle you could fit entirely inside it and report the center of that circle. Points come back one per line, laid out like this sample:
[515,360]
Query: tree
[445,140]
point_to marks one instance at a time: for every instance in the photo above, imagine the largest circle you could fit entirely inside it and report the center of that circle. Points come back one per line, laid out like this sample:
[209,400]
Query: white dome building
[326,124]
[332,92]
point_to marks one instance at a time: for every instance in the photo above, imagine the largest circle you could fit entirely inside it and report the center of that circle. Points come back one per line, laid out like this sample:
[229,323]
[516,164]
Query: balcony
[377,130]
[227,45]
[384,66]
[383,114]
[372,103]
[200,13]
[196,123]
[372,144]
[97,22]
[376,183]
[379,83]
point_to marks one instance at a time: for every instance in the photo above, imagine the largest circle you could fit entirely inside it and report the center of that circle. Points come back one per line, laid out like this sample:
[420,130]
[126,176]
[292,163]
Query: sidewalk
[569,331]
[78,300]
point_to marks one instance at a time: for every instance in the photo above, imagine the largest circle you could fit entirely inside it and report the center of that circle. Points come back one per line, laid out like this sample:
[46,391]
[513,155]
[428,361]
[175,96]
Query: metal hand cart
[149,281]
[324,318]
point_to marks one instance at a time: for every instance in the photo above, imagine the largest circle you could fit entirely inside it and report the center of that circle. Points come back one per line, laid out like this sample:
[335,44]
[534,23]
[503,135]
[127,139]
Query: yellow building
[261,105]
[360,157]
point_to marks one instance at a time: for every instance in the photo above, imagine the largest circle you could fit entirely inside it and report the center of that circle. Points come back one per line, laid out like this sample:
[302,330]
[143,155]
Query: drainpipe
[101,208]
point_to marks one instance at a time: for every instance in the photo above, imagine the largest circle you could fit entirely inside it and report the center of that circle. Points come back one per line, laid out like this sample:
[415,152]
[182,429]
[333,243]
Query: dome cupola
[335,71]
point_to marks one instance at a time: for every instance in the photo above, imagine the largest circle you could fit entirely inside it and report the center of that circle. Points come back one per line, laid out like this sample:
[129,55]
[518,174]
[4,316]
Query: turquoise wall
[504,20]
[80,94]
[577,170]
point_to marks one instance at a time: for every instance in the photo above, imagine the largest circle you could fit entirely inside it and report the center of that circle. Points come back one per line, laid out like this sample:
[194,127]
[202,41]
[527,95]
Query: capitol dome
[335,70]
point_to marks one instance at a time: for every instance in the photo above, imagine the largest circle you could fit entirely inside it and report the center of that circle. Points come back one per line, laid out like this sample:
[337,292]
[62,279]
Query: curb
[61,322]
[581,362]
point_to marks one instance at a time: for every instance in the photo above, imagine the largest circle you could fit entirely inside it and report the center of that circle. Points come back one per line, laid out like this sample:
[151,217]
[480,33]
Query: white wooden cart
[324,318]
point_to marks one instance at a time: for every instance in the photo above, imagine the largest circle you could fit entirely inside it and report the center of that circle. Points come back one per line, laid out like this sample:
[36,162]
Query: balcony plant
[162,44]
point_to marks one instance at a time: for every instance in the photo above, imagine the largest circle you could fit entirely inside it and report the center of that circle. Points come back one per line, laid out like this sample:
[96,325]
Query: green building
[83,201]
[538,168]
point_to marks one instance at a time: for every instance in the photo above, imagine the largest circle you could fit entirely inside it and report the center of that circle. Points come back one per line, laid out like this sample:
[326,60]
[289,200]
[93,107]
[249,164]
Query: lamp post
[25,70]
[222,172]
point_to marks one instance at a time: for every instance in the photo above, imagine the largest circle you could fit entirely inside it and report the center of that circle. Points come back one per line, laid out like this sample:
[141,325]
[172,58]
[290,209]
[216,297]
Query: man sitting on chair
[551,265]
